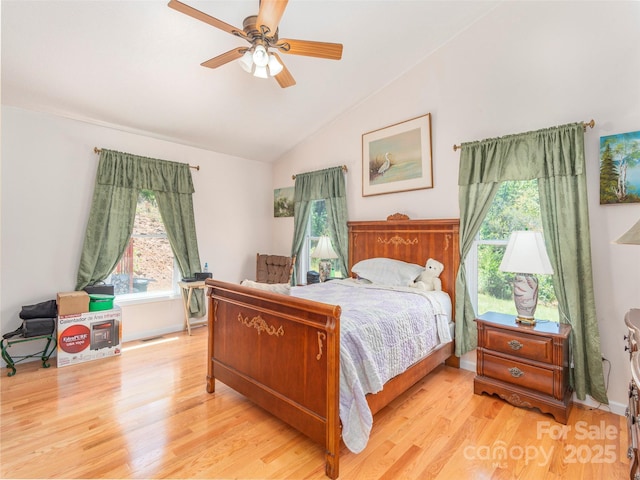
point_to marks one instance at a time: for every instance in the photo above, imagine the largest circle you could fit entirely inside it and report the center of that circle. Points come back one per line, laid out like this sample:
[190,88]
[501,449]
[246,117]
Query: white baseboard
[467,365]
[154,333]
[590,403]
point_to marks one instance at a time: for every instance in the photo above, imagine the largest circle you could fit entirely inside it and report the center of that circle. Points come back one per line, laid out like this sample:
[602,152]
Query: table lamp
[526,256]
[325,252]
[631,236]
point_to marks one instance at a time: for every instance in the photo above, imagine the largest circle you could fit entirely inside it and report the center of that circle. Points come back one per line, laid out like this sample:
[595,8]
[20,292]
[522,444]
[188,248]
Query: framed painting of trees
[283,202]
[620,168]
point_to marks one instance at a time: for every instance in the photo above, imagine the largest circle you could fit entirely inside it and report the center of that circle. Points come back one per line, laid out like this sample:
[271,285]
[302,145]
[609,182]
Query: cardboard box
[70,303]
[83,337]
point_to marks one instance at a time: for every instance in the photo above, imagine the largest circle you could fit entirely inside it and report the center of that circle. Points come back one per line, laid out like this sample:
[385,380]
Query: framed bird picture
[397,158]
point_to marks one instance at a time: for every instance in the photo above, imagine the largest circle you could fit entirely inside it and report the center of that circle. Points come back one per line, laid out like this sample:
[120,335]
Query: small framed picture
[620,168]
[397,158]
[283,202]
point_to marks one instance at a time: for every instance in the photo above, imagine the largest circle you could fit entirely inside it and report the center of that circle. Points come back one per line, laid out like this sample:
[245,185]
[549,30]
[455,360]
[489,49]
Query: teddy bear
[428,280]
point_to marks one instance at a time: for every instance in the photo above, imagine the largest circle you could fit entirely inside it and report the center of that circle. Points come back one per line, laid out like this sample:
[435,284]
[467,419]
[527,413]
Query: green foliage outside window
[318,219]
[515,207]
[317,228]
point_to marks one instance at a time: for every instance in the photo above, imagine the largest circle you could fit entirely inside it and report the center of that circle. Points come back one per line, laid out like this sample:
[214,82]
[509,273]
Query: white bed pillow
[283,288]
[386,271]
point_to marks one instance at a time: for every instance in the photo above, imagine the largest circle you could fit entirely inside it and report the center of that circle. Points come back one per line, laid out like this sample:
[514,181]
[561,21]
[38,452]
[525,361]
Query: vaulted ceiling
[135,65]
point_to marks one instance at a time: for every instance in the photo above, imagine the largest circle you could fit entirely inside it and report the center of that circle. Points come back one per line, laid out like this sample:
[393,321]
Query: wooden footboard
[282,353]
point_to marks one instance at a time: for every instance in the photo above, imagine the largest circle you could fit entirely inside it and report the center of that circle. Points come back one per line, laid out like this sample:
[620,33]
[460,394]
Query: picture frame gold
[397,158]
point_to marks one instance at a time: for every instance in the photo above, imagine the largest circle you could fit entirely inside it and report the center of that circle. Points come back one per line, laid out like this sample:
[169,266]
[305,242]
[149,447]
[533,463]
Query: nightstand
[528,366]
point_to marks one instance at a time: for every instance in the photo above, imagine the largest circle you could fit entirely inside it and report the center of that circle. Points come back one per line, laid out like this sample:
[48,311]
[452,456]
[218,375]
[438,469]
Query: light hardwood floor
[146,414]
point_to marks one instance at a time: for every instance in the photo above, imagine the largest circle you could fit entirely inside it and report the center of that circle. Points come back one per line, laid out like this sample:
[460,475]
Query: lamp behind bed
[325,252]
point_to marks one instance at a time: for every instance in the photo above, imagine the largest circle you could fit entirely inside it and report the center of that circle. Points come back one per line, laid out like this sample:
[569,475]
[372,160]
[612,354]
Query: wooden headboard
[412,241]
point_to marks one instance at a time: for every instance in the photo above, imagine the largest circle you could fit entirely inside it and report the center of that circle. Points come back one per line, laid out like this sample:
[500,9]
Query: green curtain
[555,157]
[329,185]
[475,201]
[119,179]
[109,228]
[301,211]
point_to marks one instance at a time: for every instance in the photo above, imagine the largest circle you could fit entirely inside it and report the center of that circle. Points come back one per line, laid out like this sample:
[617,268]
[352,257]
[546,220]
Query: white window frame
[471,267]
[304,262]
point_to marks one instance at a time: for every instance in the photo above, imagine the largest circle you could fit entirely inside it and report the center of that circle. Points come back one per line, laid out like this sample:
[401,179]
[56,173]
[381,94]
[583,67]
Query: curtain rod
[98,150]
[344,169]
[590,124]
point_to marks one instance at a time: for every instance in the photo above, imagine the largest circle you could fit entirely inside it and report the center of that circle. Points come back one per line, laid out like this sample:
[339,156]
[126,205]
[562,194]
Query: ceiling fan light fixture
[275,67]
[261,32]
[260,56]
[246,62]
[261,72]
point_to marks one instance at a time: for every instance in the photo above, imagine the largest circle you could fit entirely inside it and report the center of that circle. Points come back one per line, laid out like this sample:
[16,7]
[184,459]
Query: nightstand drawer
[533,347]
[517,373]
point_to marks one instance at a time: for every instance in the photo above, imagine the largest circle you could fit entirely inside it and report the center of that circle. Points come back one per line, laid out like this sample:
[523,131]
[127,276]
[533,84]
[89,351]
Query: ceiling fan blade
[332,51]
[284,78]
[197,14]
[227,57]
[270,14]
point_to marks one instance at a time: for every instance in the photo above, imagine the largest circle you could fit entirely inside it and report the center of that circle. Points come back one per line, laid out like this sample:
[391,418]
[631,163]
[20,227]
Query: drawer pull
[630,453]
[515,345]
[516,372]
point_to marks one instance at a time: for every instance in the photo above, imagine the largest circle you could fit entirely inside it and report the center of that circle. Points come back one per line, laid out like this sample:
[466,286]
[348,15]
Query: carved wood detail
[514,399]
[396,240]
[260,325]
[321,336]
[397,216]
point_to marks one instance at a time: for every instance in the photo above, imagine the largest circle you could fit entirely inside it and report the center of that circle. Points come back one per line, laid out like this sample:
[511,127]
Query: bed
[293,368]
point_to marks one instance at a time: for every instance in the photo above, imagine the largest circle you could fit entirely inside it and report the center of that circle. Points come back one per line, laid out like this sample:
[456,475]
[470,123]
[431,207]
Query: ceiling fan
[261,31]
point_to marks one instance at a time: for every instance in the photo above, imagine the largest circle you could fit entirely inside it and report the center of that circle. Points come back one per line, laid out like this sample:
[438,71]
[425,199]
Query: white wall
[525,66]
[48,174]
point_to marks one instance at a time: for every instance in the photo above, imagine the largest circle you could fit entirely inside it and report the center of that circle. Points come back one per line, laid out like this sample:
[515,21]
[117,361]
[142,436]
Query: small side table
[528,366]
[44,354]
[189,287]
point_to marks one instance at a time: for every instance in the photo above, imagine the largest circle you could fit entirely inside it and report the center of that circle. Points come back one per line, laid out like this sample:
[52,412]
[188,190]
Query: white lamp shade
[631,236]
[246,62]
[275,67]
[260,56]
[260,72]
[324,249]
[526,253]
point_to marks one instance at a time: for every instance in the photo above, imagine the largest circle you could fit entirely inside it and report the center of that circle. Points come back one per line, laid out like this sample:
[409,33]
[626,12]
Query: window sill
[136,299]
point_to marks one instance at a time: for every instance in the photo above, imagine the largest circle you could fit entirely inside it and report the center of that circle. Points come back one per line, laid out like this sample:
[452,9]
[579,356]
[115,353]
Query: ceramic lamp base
[525,295]
[325,270]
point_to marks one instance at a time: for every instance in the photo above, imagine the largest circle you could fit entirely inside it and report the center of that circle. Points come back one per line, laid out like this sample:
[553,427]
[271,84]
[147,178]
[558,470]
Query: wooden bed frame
[283,352]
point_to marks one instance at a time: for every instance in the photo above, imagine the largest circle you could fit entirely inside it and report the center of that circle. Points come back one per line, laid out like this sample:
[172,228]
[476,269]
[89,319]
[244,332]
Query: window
[147,266]
[515,207]
[317,227]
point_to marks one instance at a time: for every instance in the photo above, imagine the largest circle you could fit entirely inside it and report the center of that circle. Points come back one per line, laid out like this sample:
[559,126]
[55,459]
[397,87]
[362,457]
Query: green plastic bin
[99,301]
